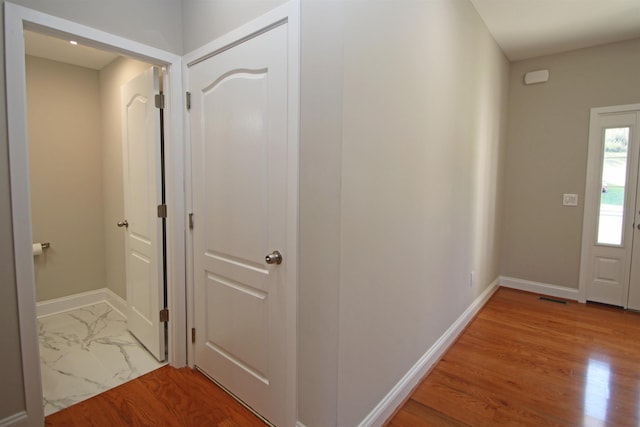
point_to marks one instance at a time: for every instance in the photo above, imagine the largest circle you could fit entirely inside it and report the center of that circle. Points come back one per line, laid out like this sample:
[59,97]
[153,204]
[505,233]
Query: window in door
[614,174]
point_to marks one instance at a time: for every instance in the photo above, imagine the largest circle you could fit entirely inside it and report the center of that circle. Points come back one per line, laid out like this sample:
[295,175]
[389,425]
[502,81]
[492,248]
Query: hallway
[530,362]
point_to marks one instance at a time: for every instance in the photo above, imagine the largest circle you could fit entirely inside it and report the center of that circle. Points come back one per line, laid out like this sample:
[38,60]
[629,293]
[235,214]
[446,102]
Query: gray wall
[424,116]
[147,21]
[322,69]
[206,20]
[65,169]
[547,155]
[12,389]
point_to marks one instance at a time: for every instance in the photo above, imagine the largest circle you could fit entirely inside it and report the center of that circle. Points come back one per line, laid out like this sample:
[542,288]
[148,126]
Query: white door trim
[289,12]
[591,201]
[16,19]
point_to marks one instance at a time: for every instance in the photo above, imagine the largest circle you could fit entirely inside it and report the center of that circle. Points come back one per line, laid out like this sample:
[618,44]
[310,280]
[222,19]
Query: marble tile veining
[86,351]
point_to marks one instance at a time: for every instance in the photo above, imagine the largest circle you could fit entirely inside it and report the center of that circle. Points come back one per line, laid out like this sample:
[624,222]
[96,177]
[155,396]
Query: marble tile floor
[86,351]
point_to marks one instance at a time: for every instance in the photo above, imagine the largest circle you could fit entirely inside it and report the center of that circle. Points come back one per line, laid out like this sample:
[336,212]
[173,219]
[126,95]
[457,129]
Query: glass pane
[614,175]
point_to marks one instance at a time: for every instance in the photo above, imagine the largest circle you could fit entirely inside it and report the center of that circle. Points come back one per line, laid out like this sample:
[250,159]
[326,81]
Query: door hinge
[162,211]
[191,221]
[193,334]
[164,315]
[188,100]
[160,100]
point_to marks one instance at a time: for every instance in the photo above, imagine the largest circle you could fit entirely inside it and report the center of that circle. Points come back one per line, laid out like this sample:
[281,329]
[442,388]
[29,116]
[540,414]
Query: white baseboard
[539,288]
[118,303]
[405,386]
[16,420]
[72,302]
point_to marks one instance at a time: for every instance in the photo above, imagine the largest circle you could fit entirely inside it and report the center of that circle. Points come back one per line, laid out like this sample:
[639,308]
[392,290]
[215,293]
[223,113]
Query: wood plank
[524,361]
[166,397]
[414,413]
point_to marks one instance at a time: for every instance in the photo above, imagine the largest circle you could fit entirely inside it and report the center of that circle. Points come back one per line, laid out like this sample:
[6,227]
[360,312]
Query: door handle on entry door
[274,257]
[124,224]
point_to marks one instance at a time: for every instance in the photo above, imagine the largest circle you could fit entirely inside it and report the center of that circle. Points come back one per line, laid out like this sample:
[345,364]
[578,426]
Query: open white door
[243,223]
[143,193]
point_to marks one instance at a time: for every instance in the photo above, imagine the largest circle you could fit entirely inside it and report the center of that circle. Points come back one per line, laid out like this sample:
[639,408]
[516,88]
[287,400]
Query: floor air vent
[557,301]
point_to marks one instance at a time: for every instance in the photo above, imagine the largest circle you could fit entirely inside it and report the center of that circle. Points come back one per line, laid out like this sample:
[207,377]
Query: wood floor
[529,362]
[521,362]
[166,397]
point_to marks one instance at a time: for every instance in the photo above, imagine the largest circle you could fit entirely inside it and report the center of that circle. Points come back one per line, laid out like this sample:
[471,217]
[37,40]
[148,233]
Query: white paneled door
[611,227]
[143,194]
[241,177]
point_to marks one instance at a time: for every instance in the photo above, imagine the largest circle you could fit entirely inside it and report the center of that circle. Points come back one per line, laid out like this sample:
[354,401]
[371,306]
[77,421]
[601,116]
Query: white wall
[423,139]
[112,77]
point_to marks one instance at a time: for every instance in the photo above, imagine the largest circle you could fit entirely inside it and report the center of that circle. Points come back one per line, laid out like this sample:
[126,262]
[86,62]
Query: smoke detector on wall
[534,77]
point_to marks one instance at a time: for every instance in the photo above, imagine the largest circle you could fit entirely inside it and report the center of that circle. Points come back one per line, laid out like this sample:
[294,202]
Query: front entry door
[241,176]
[143,194]
[611,219]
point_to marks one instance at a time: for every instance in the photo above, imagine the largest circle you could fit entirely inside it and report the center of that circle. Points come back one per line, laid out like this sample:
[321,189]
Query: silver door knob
[274,257]
[124,224]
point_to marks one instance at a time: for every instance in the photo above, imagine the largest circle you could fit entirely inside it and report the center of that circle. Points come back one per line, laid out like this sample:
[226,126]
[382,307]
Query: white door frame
[290,13]
[16,19]
[591,201]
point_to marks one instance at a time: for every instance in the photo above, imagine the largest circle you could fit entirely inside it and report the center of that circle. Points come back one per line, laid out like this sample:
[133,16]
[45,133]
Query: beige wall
[65,168]
[547,155]
[112,77]
[142,21]
[89,182]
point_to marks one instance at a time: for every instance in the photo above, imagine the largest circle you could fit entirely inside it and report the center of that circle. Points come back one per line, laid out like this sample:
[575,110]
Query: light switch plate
[570,200]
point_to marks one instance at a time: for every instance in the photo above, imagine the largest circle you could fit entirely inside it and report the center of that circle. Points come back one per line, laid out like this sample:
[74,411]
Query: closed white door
[240,146]
[633,302]
[143,194]
[610,220]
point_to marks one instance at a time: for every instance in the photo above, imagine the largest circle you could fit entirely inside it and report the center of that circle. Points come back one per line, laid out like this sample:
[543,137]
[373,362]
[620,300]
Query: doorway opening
[19,19]
[76,114]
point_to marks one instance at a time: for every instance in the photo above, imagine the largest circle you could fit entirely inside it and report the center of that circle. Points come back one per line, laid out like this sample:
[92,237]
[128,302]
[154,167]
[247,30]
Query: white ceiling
[522,28]
[48,47]
[529,28]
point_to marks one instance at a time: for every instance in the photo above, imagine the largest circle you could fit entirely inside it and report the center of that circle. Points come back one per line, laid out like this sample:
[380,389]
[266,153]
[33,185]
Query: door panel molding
[142,179]
[286,14]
